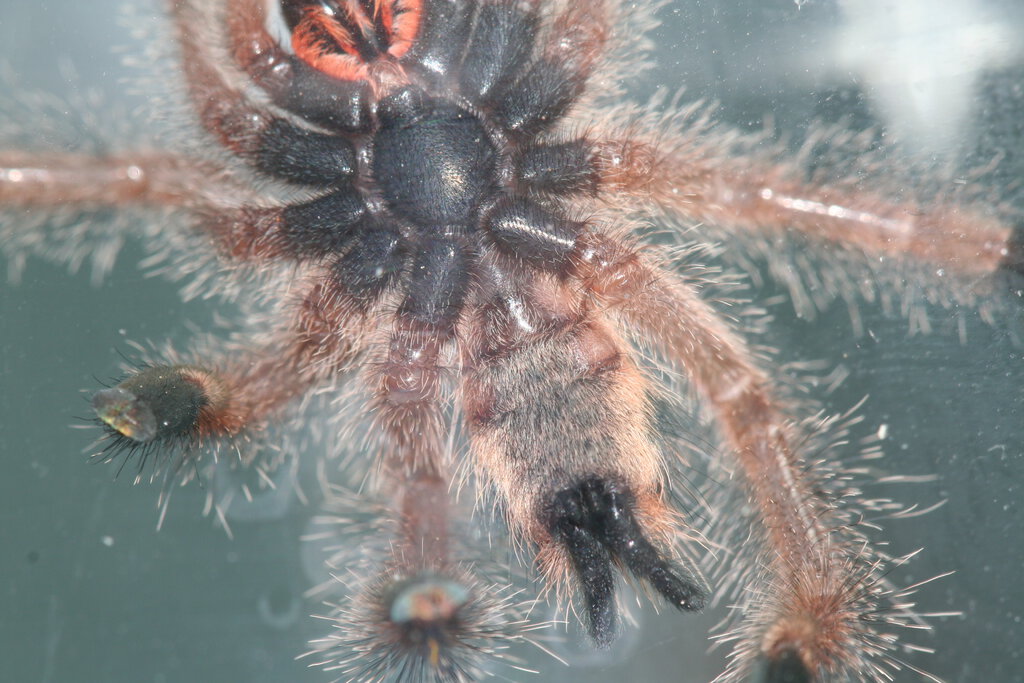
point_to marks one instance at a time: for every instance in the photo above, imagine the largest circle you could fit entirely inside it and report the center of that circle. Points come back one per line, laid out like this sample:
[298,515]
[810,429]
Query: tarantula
[446,218]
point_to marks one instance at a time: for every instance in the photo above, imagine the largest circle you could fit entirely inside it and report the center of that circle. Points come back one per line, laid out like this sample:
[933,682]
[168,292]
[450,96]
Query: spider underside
[462,236]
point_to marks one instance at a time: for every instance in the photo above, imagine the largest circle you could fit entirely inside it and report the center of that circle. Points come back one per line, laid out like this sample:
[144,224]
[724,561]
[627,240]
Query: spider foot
[595,523]
[169,413]
[156,403]
[425,610]
[430,625]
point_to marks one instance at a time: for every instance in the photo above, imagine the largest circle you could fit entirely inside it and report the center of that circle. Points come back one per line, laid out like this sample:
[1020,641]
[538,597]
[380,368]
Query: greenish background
[89,591]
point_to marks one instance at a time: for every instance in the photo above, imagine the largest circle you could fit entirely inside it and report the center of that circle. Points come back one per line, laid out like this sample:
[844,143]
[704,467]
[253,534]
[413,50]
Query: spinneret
[595,522]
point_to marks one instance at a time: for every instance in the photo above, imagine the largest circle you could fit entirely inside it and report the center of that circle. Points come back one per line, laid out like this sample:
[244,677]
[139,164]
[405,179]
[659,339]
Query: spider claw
[125,413]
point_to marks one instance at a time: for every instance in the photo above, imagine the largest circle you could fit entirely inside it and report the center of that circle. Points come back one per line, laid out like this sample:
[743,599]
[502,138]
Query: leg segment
[559,169]
[312,229]
[437,48]
[406,376]
[527,232]
[305,230]
[499,47]
[406,386]
[700,181]
[422,614]
[271,144]
[83,182]
[556,78]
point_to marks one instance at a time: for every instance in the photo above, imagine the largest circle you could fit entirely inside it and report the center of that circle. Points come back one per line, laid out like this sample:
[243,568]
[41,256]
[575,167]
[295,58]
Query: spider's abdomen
[433,162]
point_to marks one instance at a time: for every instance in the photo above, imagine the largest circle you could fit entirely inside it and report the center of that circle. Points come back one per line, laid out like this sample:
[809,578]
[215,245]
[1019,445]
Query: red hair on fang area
[342,43]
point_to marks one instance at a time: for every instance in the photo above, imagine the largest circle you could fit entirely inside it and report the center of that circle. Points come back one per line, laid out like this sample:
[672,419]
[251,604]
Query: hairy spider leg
[195,404]
[823,617]
[694,176]
[306,230]
[689,176]
[406,381]
[270,143]
[157,179]
[420,613]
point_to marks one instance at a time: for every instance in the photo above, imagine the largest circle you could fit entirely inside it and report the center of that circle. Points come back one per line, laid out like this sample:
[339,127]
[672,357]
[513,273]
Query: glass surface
[90,591]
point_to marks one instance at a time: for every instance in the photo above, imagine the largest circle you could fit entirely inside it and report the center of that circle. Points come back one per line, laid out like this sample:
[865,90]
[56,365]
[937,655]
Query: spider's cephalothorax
[434,166]
[457,214]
